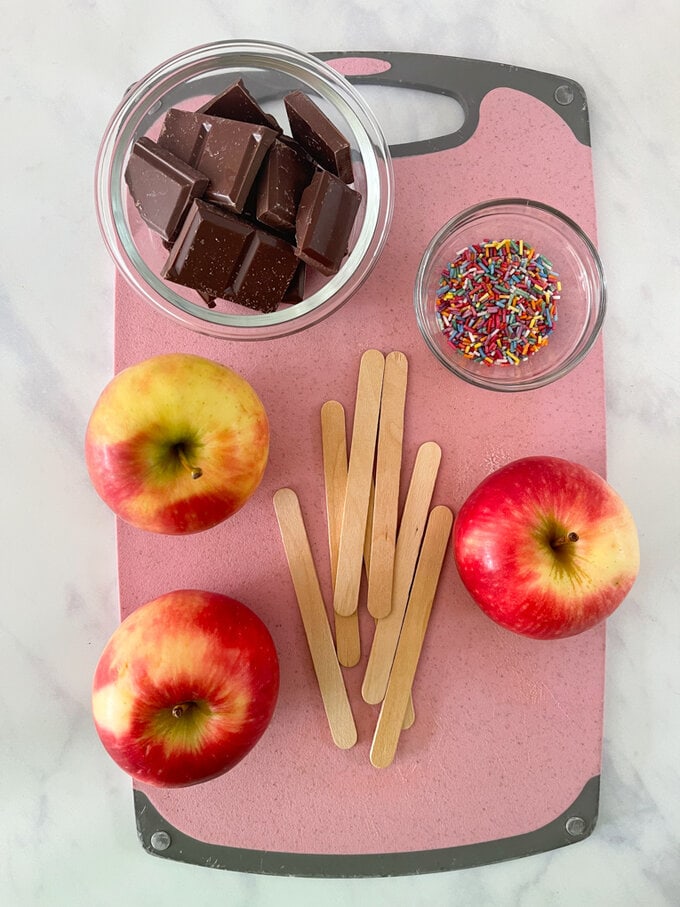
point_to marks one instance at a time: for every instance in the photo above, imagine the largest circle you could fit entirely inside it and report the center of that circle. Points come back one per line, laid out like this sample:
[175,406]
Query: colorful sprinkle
[496,301]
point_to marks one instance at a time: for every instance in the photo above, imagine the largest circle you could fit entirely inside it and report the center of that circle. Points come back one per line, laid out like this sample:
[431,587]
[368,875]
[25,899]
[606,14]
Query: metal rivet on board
[160,840]
[564,94]
[575,826]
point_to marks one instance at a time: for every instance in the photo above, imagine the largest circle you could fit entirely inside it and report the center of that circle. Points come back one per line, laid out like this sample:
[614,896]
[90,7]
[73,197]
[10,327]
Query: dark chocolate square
[325,218]
[162,186]
[183,133]
[231,156]
[295,291]
[237,103]
[265,272]
[319,137]
[285,174]
[208,250]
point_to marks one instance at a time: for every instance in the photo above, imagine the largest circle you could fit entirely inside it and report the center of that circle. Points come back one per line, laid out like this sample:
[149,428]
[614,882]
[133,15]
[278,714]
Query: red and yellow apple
[177,443]
[546,547]
[185,688]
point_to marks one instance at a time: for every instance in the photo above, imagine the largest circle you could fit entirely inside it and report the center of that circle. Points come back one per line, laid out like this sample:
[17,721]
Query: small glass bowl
[580,309]
[270,71]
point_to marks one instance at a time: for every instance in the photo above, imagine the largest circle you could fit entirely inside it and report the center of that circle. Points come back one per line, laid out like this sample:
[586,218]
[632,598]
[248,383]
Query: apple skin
[504,543]
[205,655]
[160,418]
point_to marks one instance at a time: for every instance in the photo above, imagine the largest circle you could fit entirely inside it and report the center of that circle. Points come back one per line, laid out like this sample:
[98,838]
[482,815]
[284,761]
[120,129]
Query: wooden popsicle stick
[334,447]
[369,531]
[410,714]
[391,718]
[359,473]
[410,535]
[347,637]
[387,474]
[314,618]
[410,717]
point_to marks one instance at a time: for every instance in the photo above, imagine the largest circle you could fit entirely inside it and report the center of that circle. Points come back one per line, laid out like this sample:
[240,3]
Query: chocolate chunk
[183,133]
[264,273]
[296,288]
[318,136]
[237,103]
[207,299]
[231,156]
[285,174]
[162,186]
[250,204]
[324,223]
[208,250]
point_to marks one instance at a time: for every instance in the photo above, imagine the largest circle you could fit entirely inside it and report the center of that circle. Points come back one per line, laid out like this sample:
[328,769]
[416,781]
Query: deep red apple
[185,687]
[177,443]
[546,547]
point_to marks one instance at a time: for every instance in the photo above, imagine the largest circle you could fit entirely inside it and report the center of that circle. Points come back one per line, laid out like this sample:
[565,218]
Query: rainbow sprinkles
[497,301]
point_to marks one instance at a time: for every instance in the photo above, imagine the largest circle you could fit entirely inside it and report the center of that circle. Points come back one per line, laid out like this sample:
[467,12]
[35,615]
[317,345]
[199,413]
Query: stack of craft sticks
[402,556]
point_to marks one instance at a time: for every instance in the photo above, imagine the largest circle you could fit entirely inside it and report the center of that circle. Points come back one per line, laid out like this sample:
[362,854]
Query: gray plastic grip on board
[160,838]
[468,81]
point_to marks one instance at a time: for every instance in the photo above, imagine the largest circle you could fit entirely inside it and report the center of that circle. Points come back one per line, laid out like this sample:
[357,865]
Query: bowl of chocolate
[244,189]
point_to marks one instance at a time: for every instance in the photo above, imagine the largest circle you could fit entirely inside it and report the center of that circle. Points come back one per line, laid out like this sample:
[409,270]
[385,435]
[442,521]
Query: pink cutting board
[504,757]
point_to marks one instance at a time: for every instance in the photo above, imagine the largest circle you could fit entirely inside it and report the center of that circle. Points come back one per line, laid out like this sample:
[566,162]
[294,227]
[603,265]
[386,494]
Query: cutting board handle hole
[412,115]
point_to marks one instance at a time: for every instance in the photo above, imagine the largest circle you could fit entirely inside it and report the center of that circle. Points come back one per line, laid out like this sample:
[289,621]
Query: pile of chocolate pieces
[242,207]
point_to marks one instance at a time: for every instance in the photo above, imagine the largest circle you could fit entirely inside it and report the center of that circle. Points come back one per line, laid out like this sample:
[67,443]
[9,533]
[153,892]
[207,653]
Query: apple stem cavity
[570,537]
[196,471]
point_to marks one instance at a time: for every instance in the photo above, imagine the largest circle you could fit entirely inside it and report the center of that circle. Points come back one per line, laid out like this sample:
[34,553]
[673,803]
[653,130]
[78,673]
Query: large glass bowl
[580,309]
[269,71]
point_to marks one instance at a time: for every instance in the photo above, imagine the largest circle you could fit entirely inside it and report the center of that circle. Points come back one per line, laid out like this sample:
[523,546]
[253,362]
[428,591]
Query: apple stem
[196,471]
[564,539]
[179,710]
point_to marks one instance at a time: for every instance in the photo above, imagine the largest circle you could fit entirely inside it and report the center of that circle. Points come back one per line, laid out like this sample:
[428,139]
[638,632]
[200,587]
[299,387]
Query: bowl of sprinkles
[510,295]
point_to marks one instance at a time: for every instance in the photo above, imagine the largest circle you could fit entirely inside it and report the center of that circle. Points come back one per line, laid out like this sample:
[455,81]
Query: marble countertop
[66,820]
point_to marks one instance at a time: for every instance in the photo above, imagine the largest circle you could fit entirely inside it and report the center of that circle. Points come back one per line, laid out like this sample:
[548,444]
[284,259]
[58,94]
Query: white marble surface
[66,820]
